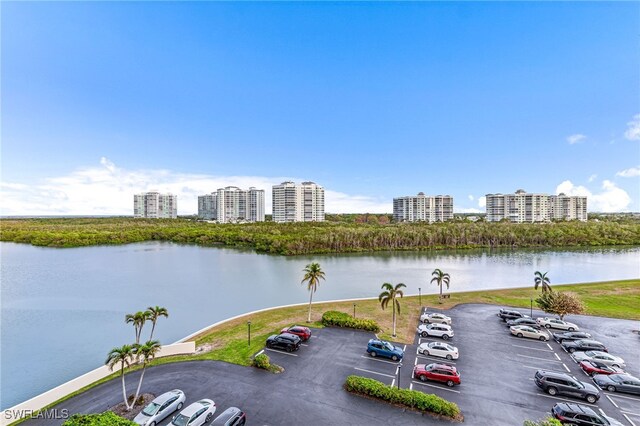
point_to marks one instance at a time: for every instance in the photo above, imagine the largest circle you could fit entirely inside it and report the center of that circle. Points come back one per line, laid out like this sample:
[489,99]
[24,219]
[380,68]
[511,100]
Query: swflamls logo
[53,414]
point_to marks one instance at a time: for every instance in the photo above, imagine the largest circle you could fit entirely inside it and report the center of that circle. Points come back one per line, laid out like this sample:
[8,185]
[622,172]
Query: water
[63,309]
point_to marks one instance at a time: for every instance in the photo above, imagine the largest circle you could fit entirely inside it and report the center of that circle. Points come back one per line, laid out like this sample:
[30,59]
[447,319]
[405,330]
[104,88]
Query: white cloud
[632,172]
[470,197]
[482,202]
[592,178]
[633,129]
[610,199]
[577,138]
[467,210]
[108,190]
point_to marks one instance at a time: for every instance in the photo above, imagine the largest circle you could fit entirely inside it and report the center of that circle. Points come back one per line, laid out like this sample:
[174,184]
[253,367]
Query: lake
[64,309]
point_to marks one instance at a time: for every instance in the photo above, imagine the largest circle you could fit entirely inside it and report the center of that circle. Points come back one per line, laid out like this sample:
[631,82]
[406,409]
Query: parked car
[557,323]
[570,335]
[383,348]
[287,341]
[603,357]
[563,384]
[435,319]
[438,373]
[584,345]
[232,416]
[195,414]
[303,333]
[436,330]
[592,367]
[618,383]
[529,332]
[442,350]
[160,408]
[523,321]
[510,314]
[581,415]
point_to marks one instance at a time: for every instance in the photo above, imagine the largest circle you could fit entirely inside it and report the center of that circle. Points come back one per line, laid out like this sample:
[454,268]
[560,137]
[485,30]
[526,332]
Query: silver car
[435,319]
[529,332]
[603,357]
[196,414]
[160,408]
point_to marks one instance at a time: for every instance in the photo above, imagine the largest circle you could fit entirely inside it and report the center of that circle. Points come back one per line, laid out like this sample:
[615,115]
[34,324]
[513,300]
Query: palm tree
[312,275]
[123,357]
[138,320]
[145,353]
[390,294]
[541,280]
[156,312]
[440,278]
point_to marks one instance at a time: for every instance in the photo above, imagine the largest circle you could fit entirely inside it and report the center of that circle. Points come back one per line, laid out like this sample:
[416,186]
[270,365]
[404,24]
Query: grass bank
[228,341]
[319,237]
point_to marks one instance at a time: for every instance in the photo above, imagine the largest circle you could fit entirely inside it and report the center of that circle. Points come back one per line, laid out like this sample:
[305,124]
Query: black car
[583,345]
[287,341]
[509,314]
[581,415]
[618,383]
[563,384]
[570,335]
[232,416]
[524,321]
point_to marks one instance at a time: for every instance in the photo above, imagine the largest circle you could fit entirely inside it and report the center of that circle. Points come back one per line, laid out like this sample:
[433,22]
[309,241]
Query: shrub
[108,418]
[262,361]
[560,303]
[549,421]
[408,398]
[341,319]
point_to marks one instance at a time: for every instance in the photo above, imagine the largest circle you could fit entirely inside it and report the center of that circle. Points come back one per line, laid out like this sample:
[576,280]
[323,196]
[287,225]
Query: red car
[438,373]
[302,332]
[597,367]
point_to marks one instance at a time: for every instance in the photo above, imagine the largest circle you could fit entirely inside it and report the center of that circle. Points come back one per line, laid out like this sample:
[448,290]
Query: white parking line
[415,362]
[628,419]
[549,346]
[279,352]
[393,382]
[303,344]
[557,356]
[612,401]
[440,360]
[539,368]
[379,360]
[375,372]
[625,397]
[541,359]
[405,348]
[533,349]
[411,386]
[435,386]
[260,352]
[574,360]
[569,371]
[561,399]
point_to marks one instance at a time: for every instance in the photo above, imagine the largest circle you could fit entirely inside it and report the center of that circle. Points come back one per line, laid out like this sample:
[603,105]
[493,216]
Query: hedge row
[408,398]
[108,418]
[340,319]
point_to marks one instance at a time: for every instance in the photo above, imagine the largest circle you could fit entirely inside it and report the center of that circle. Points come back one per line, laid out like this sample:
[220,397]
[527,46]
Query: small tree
[145,353]
[541,280]
[138,320]
[121,357]
[156,312]
[440,278]
[560,303]
[312,275]
[389,295]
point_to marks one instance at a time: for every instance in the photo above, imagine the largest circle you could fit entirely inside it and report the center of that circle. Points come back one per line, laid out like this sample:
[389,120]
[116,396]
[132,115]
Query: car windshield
[615,378]
[180,420]
[388,346]
[151,409]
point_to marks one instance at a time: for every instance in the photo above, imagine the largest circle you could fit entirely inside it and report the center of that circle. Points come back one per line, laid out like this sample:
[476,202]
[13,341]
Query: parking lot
[497,372]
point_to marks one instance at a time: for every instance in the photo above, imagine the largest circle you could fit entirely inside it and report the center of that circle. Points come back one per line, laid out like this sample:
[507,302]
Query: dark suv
[288,342]
[583,345]
[570,335]
[581,415]
[509,314]
[563,384]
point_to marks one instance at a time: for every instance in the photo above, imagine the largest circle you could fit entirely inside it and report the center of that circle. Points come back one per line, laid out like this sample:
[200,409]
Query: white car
[435,330]
[529,332]
[438,349]
[557,323]
[196,414]
[603,357]
[160,408]
[435,319]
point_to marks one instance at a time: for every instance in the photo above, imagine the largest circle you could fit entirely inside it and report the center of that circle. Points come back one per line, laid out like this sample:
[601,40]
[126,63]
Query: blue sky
[371,100]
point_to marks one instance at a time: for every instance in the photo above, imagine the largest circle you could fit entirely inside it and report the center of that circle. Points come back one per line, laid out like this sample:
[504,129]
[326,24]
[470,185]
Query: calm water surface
[63,309]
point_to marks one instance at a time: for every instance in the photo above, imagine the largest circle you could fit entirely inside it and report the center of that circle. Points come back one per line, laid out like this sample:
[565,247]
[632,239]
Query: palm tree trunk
[440,298]
[153,327]
[394,317]
[124,390]
[144,367]
[310,298]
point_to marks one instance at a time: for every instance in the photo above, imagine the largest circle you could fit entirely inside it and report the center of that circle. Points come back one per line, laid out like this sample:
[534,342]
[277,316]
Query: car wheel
[611,388]
[450,383]
[591,399]
[542,338]
[571,329]
[209,417]
[449,357]
[179,406]
[519,335]
[427,353]
[424,334]
[548,325]
[552,391]
[571,350]
[423,378]
[445,337]
[616,365]
[426,321]
[152,424]
[373,354]
[420,351]
[394,357]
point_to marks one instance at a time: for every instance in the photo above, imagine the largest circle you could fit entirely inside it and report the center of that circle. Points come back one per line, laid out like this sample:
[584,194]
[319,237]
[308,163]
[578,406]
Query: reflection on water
[63,309]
